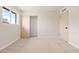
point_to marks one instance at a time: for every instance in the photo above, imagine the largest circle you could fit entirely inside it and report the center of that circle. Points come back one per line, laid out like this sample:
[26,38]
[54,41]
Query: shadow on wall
[25,33]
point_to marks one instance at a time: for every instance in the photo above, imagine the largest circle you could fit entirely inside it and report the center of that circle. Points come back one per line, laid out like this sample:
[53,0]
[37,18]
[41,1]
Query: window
[8,16]
[13,17]
[5,15]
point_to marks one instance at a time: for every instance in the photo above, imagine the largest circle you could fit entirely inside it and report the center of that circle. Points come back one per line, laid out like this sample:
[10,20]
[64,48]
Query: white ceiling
[39,8]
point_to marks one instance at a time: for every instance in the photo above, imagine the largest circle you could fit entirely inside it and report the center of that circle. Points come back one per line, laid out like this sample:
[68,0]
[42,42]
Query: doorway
[33,26]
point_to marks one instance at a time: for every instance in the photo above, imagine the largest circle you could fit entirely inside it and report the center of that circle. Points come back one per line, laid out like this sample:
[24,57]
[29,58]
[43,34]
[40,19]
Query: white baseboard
[7,44]
[76,46]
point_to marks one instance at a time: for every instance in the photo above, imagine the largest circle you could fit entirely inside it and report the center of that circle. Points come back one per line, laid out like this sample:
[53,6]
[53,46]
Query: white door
[33,26]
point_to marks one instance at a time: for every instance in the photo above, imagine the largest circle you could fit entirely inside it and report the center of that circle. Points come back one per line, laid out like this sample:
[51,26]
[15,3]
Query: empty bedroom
[39,29]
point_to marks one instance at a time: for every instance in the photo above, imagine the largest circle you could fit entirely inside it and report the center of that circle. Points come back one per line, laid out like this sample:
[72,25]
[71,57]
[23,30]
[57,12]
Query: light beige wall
[64,23]
[48,23]
[9,32]
[25,26]
[74,26]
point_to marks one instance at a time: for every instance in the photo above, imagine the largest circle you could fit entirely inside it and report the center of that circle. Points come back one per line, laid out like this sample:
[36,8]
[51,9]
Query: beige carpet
[40,45]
